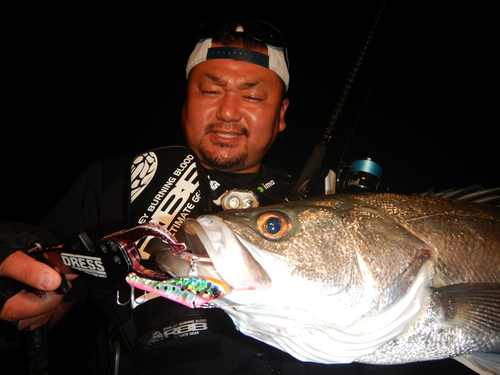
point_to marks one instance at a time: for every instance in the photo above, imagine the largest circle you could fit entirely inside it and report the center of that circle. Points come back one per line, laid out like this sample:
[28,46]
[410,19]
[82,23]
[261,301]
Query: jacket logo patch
[178,330]
[143,170]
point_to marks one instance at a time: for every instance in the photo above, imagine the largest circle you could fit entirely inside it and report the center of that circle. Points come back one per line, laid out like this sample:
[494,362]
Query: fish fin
[482,363]
[474,193]
[476,305]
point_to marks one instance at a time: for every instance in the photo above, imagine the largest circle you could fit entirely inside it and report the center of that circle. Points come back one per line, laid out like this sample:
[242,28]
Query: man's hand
[29,309]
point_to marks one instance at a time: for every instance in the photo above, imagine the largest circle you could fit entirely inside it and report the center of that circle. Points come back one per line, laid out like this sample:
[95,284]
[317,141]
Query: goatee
[220,160]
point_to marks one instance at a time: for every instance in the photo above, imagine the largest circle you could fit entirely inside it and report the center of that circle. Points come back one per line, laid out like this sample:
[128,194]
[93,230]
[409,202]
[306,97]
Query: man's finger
[26,305]
[25,269]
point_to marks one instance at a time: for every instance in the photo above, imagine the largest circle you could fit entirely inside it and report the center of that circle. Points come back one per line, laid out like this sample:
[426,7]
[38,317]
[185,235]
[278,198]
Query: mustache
[226,126]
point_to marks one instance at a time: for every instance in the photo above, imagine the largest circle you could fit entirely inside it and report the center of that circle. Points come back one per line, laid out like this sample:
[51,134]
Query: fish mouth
[215,252]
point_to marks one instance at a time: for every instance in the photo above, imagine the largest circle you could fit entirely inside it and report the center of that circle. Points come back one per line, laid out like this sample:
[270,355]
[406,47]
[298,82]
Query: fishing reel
[360,176]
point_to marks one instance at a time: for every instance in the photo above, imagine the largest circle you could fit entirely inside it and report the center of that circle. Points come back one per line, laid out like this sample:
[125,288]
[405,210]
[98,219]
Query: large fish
[380,278]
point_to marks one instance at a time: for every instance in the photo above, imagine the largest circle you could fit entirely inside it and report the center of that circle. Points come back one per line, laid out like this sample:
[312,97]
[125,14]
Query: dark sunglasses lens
[212,28]
[264,32]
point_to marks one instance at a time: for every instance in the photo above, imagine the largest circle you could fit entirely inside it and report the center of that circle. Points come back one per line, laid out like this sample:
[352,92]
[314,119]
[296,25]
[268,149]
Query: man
[233,112]
[234,109]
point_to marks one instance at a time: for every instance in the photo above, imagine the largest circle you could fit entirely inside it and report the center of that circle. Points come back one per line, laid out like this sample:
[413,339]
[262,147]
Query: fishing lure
[188,291]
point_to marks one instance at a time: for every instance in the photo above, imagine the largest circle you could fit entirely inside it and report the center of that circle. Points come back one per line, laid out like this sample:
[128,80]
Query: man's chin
[223,161]
[226,166]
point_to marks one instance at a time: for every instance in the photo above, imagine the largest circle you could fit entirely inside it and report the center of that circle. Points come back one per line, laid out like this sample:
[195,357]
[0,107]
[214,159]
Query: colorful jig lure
[188,291]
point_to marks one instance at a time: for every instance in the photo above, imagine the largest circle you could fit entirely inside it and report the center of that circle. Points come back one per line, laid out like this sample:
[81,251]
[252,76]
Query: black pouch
[172,336]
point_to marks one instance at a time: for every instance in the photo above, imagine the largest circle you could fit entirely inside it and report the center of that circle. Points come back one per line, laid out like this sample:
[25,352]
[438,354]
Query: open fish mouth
[216,252]
[215,264]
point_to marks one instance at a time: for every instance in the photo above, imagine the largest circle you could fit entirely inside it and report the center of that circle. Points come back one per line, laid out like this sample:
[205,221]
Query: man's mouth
[227,135]
[227,131]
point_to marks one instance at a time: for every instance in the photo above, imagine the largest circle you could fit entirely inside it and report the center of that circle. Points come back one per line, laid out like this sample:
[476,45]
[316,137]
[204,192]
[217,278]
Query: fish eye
[273,225]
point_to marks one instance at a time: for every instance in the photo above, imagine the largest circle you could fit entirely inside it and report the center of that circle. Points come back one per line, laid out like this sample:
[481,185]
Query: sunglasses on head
[258,30]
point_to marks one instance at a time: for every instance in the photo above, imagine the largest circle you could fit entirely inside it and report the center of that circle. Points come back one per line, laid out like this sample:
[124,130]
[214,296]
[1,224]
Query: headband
[274,60]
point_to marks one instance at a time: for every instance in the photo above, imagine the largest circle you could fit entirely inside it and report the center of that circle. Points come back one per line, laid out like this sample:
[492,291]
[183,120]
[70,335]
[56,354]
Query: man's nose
[229,110]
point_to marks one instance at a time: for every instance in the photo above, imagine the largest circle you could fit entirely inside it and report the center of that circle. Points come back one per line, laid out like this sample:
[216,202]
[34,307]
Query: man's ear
[284,107]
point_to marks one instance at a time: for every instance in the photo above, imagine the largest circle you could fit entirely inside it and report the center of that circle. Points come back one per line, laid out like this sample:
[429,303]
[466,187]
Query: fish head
[308,239]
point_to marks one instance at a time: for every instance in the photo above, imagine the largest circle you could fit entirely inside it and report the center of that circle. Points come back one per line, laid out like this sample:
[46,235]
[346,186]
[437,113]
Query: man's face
[232,114]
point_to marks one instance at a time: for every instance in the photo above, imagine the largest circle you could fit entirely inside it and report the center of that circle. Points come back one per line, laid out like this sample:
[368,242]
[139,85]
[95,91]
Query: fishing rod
[316,158]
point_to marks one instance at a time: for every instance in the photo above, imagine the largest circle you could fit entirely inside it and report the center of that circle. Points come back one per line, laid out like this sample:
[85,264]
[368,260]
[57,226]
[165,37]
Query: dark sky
[86,82]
